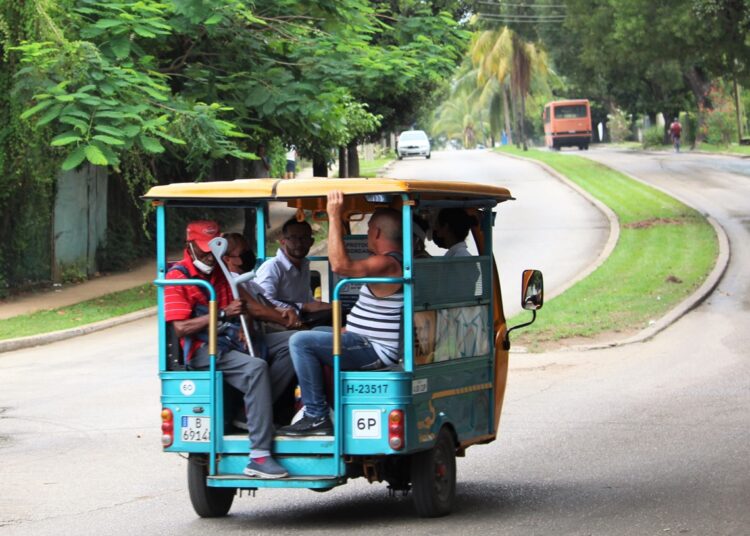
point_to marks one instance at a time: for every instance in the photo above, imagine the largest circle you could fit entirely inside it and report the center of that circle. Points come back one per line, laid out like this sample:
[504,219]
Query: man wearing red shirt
[259,380]
[675,130]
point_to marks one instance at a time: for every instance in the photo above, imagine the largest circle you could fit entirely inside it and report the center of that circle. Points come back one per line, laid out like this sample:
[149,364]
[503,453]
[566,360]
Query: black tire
[433,477]
[428,156]
[400,157]
[586,147]
[207,501]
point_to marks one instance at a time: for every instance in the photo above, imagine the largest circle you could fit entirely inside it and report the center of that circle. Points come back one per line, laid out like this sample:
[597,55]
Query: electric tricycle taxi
[403,425]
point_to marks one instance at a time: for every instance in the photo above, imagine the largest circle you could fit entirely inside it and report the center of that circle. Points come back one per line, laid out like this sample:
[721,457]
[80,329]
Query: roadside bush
[653,137]
[619,127]
[277,157]
[720,127]
[690,126]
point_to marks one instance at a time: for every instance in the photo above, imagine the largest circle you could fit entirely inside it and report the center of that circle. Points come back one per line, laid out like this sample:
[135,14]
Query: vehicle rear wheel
[207,501]
[433,477]
[400,157]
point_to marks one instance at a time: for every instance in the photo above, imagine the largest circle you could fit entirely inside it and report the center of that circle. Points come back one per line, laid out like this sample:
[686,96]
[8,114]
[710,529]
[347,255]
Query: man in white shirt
[285,279]
[451,230]
[291,162]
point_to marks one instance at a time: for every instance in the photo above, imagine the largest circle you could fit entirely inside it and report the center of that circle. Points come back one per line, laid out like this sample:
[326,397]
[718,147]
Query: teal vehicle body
[403,425]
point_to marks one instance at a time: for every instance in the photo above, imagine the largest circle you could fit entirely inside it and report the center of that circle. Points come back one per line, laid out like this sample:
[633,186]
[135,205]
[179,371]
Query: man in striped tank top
[370,340]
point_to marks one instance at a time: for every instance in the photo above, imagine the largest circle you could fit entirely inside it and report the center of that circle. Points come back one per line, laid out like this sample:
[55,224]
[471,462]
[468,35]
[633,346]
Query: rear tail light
[396,429]
[167,427]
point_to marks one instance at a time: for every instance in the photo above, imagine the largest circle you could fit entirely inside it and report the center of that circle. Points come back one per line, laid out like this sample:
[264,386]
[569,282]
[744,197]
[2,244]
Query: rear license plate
[366,424]
[196,429]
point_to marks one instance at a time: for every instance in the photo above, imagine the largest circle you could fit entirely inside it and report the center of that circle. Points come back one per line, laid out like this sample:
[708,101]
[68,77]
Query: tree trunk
[737,107]
[507,114]
[700,86]
[320,166]
[343,164]
[352,159]
[514,106]
[523,122]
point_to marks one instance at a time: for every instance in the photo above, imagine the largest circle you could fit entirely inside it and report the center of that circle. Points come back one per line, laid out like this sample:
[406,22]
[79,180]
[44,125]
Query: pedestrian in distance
[291,162]
[675,131]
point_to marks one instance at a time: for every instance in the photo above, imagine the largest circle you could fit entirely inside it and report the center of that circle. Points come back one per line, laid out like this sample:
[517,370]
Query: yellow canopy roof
[285,189]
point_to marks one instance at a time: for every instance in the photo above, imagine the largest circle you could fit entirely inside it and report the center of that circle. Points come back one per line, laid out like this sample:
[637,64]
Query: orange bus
[567,123]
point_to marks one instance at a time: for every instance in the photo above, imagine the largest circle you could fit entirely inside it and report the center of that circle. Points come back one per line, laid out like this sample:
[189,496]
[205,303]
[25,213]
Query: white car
[413,143]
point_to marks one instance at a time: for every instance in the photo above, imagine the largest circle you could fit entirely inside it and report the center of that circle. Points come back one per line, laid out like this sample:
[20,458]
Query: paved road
[649,439]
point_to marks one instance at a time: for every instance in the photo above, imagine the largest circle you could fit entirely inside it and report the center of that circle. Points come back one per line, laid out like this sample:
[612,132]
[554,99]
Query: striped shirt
[180,301]
[379,321]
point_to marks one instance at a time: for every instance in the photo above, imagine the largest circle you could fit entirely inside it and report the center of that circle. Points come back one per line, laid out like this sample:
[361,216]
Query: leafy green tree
[724,27]
[27,166]
[650,57]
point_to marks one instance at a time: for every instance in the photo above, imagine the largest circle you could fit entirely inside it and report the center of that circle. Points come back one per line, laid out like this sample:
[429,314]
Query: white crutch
[219,248]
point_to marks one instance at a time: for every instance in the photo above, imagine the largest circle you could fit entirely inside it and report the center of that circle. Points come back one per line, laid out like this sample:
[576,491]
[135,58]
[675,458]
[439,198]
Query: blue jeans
[310,350]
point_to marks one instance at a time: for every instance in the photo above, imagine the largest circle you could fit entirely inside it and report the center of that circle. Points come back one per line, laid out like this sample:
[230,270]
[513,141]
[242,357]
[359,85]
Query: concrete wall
[80,220]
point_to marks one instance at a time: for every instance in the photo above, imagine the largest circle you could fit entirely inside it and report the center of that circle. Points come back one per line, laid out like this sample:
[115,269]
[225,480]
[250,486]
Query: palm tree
[490,53]
[502,55]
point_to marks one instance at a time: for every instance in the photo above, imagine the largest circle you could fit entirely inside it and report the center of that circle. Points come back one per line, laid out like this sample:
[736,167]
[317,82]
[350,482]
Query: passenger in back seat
[371,339]
[452,228]
[256,378]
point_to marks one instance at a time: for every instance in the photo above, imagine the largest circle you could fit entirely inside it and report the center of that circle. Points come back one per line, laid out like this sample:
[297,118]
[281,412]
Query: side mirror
[532,290]
[532,298]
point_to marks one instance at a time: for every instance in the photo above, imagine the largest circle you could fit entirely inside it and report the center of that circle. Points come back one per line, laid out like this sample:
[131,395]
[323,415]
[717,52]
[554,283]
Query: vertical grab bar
[336,304]
[212,327]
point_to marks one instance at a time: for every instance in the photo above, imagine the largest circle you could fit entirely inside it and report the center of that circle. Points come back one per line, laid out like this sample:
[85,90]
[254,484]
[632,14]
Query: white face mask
[200,265]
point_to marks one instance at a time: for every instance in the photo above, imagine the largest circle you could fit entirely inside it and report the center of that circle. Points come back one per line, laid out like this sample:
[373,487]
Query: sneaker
[238,423]
[308,426]
[265,467]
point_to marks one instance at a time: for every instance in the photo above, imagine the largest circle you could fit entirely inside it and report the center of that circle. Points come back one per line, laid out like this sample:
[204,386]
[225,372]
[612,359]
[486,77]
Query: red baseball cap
[202,232]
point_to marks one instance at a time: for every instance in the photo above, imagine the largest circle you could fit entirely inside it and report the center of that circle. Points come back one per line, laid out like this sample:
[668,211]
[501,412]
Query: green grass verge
[703,147]
[87,312]
[369,168]
[665,251]
[731,148]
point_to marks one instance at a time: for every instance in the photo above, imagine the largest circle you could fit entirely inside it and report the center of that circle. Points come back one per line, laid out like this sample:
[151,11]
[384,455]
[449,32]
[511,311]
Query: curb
[20,343]
[614,224]
[689,303]
[682,308]
[385,169]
